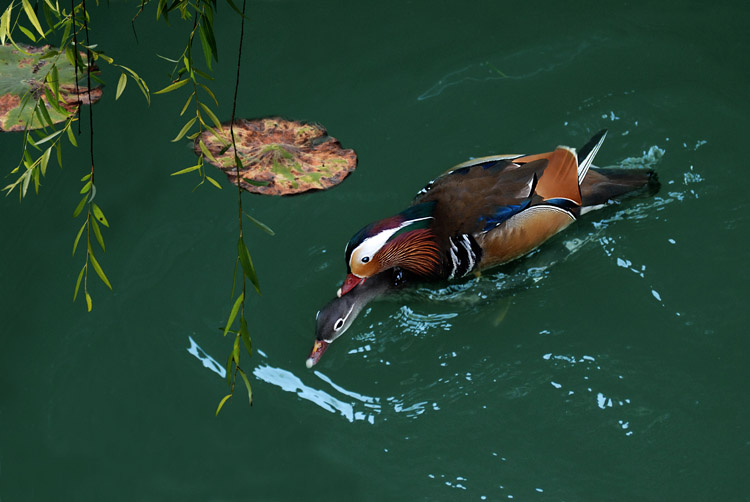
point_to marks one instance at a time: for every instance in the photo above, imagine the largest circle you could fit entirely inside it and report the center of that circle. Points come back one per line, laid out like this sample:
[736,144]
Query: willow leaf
[5,24]
[245,333]
[186,170]
[205,151]
[247,384]
[72,136]
[236,350]
[99,215]
[54,80]
[26,179]
[53,8]
[210,93]
[78,237]
[32,16]
[161,7]
[208,27]
[79,207]
[98,233]
[203,74]
[261,225]
[52,100]
[51,136]
[213,182]
[66,31]
[45,160]
[141,83]
[71,56]
[221,403]
[51,16]
[184,130]
[256,182]
[172,87]
[187,103]
[221,139]
[89,303]
[121,85]
[211,115]
[36,180]
[237,162]
[233,313]
[205,45]
[229,371]
[247,264]
[98,270]
[78,282]
[27,32]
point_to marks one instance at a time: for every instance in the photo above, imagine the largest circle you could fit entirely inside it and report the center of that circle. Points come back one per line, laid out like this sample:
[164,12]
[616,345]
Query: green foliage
[186,74]
[50,107]
[94,216]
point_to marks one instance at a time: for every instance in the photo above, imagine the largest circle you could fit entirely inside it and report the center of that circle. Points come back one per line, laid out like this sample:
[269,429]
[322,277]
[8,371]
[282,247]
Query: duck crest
[417,217]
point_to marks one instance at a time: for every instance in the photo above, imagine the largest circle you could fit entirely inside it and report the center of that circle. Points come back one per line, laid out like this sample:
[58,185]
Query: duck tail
[603,185]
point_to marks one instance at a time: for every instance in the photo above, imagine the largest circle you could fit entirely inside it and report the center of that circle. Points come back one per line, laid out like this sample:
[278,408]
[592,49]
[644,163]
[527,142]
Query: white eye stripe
[341,320]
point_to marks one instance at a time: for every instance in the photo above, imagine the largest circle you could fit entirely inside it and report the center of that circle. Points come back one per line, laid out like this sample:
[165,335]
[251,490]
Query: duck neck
[415,251]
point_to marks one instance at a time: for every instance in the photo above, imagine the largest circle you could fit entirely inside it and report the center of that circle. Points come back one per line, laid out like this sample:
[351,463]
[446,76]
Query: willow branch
[231,127]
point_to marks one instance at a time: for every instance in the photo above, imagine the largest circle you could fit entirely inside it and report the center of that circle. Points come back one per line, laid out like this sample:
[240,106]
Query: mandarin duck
[480,214]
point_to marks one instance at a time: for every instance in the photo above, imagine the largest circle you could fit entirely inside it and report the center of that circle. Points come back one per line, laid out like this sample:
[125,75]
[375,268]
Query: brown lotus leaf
[22,82]
[279,156]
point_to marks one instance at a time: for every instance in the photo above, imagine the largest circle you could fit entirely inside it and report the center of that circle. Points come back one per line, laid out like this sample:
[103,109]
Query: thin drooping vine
[75,66]
[243,257]
[94,215]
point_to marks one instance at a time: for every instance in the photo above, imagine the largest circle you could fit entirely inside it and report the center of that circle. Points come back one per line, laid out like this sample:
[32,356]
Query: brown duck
[480,214]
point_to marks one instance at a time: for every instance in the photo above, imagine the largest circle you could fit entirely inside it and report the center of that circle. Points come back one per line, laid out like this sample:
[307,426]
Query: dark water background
[610,365]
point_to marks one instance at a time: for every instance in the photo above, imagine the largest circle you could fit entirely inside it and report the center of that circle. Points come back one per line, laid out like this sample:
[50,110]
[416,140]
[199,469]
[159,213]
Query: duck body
[478,215]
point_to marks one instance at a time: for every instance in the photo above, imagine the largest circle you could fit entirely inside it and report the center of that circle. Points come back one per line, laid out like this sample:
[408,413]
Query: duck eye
[365,259]
[339,323]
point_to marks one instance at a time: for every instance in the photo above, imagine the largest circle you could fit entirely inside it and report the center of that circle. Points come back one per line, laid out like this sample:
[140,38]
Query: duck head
[338,314]
[405,240]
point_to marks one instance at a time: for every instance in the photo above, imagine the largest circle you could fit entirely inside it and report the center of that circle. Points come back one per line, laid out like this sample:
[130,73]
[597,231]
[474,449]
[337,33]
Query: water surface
[609,365]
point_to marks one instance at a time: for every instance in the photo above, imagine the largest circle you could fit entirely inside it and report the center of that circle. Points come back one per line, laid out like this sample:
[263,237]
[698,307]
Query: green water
[610,365]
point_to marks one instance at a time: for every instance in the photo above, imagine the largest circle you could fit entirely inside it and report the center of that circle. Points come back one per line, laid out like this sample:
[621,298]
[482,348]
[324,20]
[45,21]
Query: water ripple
[487,71]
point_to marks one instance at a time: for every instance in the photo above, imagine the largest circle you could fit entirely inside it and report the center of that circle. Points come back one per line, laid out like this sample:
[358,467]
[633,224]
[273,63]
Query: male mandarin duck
[480,214]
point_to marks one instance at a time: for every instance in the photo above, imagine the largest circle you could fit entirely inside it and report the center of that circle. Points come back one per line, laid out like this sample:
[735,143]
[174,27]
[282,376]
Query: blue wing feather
[502,214]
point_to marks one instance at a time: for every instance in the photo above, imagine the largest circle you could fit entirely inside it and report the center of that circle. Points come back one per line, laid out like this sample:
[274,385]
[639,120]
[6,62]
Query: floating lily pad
[21,74]
[279,157]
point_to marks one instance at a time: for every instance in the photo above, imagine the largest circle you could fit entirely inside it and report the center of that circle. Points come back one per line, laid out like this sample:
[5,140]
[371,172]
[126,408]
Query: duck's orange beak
[351,281]
[316,353]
